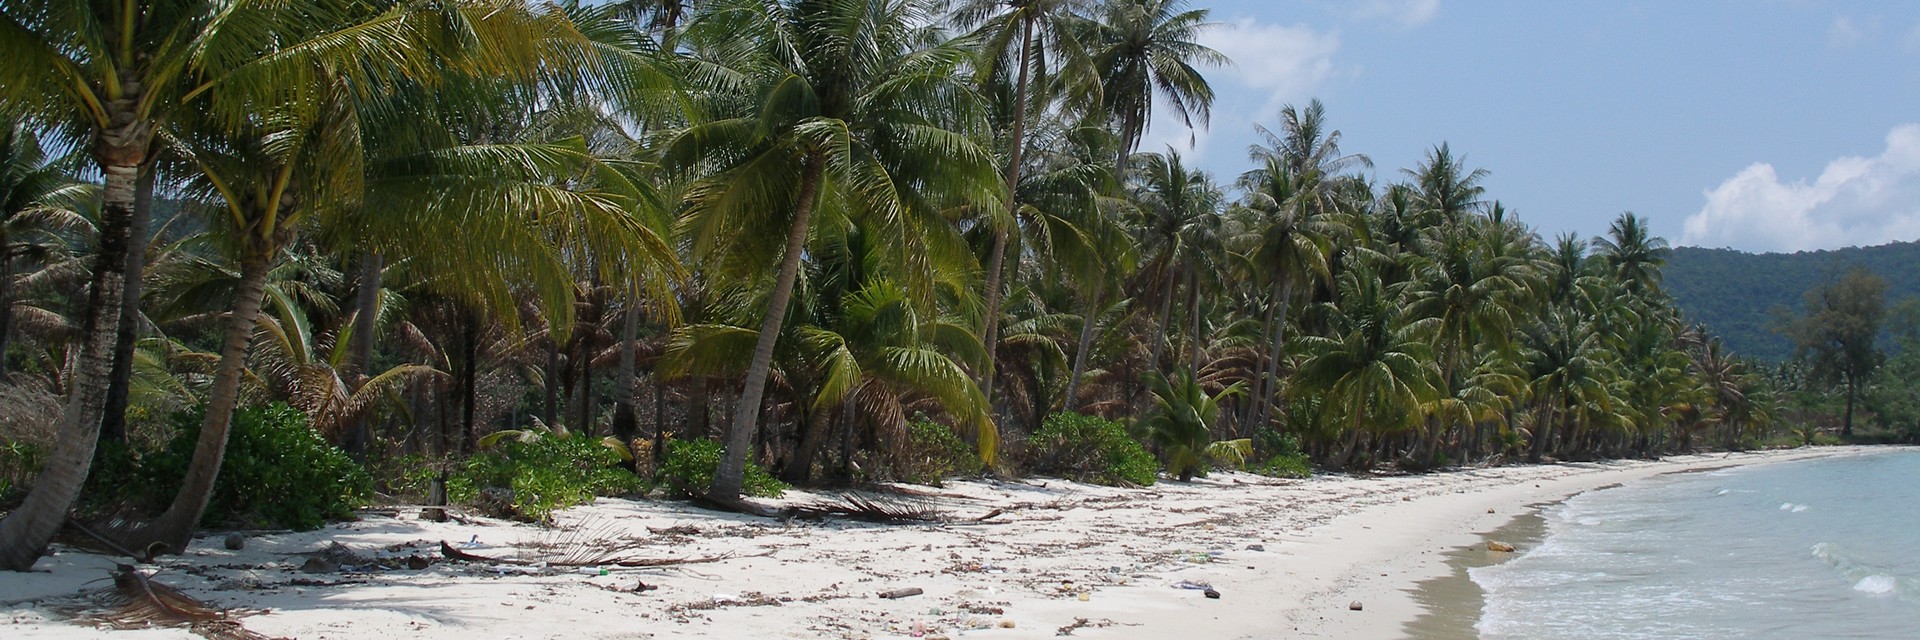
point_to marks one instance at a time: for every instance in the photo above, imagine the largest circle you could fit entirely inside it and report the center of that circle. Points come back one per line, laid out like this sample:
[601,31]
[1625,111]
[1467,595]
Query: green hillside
[1733,292]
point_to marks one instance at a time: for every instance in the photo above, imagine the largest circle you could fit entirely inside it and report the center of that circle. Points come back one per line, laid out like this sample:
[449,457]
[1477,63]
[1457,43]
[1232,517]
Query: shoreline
[1286,556]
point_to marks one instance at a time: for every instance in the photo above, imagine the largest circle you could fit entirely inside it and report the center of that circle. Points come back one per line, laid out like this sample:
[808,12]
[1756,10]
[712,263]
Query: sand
[1287,558]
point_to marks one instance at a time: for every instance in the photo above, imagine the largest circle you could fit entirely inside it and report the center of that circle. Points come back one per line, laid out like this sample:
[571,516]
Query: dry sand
[1287,557]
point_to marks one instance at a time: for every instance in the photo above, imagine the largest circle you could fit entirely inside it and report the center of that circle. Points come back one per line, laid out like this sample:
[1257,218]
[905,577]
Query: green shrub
[689,466]
[19,463]
[545,474]
[1090,449]
[277,472]
[1283,456]
[934,453]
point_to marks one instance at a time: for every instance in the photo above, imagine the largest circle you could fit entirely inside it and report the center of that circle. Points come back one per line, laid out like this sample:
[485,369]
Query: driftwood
[462,556]
[901,593]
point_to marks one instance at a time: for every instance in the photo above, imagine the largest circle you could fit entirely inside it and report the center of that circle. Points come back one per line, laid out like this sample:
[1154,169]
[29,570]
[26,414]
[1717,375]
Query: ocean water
[1824,548]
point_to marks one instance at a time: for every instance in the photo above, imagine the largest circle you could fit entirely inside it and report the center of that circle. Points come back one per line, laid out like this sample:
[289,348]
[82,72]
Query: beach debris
[1211,594]
[1489,509]
[1355,606]
[675,530]
[320,564]
[1080,623]
[136,601]
[641,586]
[1006,624]
[1496,545]
[896,594]
[1256,547]
[463,556]
[236,542]
[1192,585]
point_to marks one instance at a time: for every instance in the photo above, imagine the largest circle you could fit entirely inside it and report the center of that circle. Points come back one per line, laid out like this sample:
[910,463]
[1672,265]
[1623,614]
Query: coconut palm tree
[1182,420]
[35,193]
[1179,209]
[1024,33]
[1632,254]
[1375,370]
[1147,50]
[1447,191]
[840,104]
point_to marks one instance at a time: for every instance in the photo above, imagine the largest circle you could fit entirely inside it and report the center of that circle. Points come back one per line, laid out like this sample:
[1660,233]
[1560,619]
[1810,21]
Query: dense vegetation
[1736,294]
[567,250]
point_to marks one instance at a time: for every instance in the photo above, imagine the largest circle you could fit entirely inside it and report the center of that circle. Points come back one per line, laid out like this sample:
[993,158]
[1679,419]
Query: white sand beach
[1286,557]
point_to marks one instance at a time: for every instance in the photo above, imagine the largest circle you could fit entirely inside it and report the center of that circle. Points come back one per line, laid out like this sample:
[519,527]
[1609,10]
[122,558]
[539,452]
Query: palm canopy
[1149,48]
[849,106]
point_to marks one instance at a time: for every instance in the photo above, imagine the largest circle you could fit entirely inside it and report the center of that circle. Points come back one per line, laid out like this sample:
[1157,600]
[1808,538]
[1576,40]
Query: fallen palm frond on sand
[136,601]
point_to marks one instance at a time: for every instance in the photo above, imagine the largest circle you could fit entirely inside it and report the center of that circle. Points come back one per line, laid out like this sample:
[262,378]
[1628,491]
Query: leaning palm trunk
[25,531]
[996,260]
[171,532]
[731,473]
[6,300]
[1160,337]
[1283,294]
[1089,319]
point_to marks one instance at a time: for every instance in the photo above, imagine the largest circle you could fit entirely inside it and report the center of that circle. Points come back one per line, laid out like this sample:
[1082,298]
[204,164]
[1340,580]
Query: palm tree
[1375,372]
[1632,254]
[306,164]
[33,192]
[1147,49]
[1447,190]
[1294,190]
[830,102]
[1179,208]
[1182,420]
[1041,28]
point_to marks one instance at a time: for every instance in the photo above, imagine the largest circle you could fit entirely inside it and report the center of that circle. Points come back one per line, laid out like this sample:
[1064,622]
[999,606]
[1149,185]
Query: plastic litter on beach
[1191,584]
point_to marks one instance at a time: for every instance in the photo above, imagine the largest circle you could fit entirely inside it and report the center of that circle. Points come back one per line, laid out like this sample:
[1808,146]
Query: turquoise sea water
[1824,548]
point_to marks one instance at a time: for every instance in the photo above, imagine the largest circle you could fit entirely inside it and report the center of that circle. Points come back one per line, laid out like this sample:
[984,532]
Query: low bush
[1282,456]
[19,463]
[690,464]
[934,453]
[544,473]
[277,472]
[1090,449]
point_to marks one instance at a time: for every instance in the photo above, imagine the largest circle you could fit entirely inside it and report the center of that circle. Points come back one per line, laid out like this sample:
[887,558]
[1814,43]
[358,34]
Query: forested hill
[1733,292]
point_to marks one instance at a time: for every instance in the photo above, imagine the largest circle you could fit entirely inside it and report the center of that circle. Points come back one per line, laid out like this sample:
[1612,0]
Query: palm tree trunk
[113,422]
[1193,319]
[1090,319]
[6,299]
[799,467]
[24,532]
[366,298]
[171,532]
[1160,338]
[551,408]
[996,260]
[1283,294]
[1542,427]
[469,380]
[733,460]
[1846,425]
[625,424]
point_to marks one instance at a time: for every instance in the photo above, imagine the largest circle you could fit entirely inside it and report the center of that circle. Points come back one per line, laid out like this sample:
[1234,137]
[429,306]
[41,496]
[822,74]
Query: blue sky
[1762,125]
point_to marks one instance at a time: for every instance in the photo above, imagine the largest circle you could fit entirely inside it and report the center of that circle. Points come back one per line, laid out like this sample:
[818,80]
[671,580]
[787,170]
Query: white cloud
[1855,202]
[1845,32]
[1273,64]
[1405,13]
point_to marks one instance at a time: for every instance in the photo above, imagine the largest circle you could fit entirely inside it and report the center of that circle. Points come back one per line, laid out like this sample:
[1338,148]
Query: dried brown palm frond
[138,602]
[878,508]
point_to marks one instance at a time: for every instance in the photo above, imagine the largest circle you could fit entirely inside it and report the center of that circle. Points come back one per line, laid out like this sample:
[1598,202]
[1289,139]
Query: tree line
[793,226]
